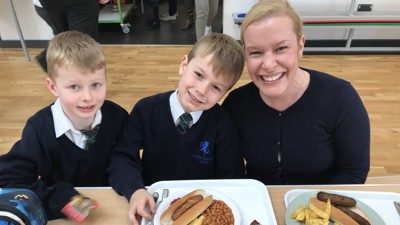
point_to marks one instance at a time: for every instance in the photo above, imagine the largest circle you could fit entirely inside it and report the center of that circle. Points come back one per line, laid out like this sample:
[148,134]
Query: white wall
[32,26]
[313,8]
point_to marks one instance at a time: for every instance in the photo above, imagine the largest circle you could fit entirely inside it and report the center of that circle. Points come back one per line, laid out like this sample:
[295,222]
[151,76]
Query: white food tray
[250,196]
[380,202]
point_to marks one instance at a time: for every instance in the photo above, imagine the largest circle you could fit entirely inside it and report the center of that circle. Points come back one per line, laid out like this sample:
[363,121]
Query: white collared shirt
[62,125]
[177,110]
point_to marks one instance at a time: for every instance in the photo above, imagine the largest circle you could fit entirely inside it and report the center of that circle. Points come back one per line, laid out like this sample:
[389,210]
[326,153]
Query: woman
[296,125]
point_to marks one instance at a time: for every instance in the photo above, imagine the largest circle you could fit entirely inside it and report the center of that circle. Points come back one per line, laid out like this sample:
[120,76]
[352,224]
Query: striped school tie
[91,136]
[184,121]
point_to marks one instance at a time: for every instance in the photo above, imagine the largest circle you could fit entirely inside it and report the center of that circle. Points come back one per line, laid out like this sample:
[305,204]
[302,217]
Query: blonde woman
[296,125]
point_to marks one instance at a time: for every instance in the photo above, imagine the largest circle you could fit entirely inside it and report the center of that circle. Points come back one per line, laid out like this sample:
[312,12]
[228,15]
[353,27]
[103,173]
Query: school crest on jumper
[202,155]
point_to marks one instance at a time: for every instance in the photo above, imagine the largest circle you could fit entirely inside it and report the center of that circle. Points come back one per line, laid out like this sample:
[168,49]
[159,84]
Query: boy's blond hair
[266,8]
[74,49]
[228,55]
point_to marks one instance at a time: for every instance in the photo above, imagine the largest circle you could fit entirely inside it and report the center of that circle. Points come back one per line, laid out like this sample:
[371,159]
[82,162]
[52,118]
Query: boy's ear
[52,86]
[183,65]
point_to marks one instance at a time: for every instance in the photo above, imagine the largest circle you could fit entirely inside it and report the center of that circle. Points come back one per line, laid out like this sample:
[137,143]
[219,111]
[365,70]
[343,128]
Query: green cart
[111,13]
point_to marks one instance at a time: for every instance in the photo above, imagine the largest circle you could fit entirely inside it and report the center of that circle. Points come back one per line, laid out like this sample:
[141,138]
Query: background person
[43,14]
[206,10]
[189,16]
[296,125]
[172,14]
[78,15]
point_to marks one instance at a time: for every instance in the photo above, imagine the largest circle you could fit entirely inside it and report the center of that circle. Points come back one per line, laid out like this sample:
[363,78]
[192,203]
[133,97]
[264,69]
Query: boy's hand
[137,206]
[78,208]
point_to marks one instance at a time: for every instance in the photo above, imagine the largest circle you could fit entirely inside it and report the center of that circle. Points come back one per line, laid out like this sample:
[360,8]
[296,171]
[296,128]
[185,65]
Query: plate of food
[342,209]
[197,206]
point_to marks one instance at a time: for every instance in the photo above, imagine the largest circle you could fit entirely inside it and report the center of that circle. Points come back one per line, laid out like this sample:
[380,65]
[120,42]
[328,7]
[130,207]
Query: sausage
[186,205]
[359,219]
[187,208]
[337,200]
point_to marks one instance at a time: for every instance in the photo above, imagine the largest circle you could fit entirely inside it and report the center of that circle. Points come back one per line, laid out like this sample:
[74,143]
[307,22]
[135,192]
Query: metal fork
[165,194]
[155,196]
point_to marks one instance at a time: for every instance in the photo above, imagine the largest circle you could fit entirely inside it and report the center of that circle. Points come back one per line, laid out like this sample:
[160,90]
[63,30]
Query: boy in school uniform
[206,146]
[54,155]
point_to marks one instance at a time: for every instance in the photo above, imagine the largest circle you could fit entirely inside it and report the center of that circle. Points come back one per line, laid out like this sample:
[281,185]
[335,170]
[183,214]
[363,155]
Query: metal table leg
[21,37]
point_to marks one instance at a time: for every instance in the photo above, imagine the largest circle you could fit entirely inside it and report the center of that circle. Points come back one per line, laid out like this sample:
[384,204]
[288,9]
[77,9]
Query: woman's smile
[272,78]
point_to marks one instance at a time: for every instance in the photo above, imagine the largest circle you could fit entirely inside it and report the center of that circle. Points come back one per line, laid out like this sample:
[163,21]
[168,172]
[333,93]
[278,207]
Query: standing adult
[296,125]
[78,15]
[43,14]
[206,10]
[189,17]
[154,22]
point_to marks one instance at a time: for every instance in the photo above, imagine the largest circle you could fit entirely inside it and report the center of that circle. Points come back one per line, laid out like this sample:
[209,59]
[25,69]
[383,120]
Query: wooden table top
[113,208]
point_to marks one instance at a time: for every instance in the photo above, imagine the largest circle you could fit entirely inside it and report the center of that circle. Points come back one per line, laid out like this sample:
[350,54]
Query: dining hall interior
[135,72]
[146,62]
[143,63]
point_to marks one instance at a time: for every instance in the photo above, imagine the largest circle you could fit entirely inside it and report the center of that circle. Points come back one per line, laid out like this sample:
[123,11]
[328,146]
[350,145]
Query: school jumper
[52,167]
[210,149]
[323,138]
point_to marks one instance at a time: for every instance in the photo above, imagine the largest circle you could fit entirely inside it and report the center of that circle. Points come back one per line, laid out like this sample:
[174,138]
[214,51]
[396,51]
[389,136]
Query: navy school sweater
[209,150]
[59,164]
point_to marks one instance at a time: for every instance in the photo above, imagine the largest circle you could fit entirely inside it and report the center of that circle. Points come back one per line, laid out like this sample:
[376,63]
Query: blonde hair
[227,55]
[74,49]
[266,8]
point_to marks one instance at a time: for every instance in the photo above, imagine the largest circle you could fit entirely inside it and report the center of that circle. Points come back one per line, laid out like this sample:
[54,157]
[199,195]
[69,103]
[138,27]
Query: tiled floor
[169,33]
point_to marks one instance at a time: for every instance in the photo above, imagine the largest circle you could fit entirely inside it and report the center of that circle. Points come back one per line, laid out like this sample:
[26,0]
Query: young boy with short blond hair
[54,154]
[205,146]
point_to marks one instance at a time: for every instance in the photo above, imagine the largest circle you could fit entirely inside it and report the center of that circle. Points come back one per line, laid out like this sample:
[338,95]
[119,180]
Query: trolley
[117,14]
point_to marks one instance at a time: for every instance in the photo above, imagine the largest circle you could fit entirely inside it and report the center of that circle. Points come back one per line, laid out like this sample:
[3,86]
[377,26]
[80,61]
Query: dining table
[113,207]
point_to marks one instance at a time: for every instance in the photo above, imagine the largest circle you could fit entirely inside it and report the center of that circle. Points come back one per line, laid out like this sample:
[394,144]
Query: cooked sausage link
[358,218]
[186,206]
[336,199]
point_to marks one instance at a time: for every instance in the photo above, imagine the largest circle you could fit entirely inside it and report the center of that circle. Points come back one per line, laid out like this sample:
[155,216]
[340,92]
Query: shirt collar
[61,122]
[177,110]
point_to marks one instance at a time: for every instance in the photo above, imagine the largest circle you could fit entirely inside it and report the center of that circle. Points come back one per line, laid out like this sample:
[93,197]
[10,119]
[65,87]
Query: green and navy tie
[91,136]
[184,121]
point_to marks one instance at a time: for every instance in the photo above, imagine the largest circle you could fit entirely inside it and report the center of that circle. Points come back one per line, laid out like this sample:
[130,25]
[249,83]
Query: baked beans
[218,213]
